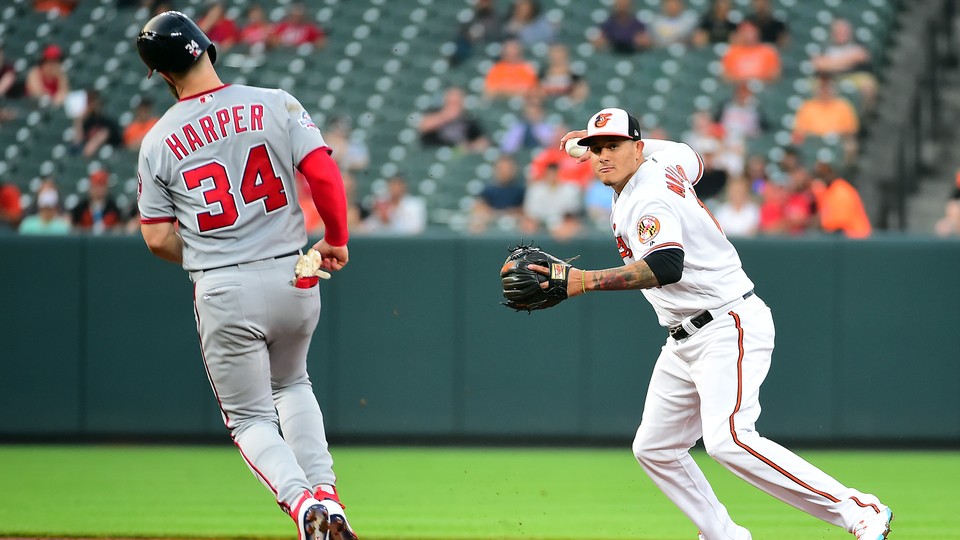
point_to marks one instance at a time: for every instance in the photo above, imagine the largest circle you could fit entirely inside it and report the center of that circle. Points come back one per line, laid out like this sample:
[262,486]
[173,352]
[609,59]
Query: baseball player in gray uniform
[706,381]
[217,194]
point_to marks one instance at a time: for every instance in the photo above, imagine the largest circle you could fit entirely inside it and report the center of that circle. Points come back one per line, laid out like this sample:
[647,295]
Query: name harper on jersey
[211,128]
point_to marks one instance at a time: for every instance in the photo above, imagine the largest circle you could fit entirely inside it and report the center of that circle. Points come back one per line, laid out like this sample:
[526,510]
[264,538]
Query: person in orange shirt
[143,120]
[748,58]
[839,205]
[512,75]
[825,114]
[828,114]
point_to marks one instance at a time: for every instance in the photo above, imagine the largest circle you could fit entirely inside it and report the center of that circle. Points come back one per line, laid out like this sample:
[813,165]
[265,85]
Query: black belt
[285,255]
[678,332]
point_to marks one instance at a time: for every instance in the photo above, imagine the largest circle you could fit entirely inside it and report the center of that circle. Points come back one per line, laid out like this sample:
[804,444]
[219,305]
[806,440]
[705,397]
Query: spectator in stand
[8,78]
[748,58]
[949,224]
[295,30]
[257,31]
[93,128]
[739,215]
[397,212]
[569,170]
[772,30]
[790,161]
[674,24]
[452,125]
[597,204]
[485,26]
[529,131]
[11,212]
[772,209]
[98,212]
[756,173]
[846,60]
[714,178]
[706,136]
[740,117]
[799,208]
[622,32]
[503,198]
[548,203]
[527,25]
[715,25]
[558,78]
[48,220]
[350,152]
[143,120]
[47,82]
[218,27]
[512,75]
[61,7]
[839,205]
[827,114]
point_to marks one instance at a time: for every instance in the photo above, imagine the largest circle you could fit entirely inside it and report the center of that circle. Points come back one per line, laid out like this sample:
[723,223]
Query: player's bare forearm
[635,275]
[163,241]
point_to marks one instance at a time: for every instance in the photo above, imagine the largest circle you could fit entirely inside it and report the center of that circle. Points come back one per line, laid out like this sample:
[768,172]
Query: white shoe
[339,526]
[876,527]
[311,517]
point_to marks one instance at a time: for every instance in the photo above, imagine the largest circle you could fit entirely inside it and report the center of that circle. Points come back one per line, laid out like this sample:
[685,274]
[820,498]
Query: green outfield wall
[99,340]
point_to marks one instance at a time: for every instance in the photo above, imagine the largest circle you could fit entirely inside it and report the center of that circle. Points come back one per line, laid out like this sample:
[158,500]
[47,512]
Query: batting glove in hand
[523,287]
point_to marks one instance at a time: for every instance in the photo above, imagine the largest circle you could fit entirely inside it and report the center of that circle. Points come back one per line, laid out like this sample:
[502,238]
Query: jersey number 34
[259,183]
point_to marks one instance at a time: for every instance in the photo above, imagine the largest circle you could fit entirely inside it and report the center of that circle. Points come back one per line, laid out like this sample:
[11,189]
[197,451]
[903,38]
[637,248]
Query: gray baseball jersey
[219,163]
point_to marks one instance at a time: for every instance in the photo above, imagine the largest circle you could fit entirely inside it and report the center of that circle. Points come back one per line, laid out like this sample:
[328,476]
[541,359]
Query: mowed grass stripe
[429,493]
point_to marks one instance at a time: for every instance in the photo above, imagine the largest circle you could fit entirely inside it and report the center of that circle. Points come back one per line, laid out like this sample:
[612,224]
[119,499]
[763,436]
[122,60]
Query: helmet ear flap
[212,52]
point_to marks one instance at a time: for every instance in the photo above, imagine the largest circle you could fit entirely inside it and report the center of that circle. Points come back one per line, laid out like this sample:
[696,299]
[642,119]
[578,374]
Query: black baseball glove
[522,286]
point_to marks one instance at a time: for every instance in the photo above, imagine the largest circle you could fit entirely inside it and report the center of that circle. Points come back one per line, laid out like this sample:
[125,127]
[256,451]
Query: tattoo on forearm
[634,276]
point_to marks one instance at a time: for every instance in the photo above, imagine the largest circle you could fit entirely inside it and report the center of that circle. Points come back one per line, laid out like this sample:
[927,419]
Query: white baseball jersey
[659,209]
[222,165]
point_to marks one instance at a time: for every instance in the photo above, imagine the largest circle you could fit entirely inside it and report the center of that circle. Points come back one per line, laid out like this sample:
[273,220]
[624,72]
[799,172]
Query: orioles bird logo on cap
[602,119]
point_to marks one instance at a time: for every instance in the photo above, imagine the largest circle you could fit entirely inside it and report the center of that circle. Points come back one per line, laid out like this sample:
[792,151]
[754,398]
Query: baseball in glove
[307,272]
[522,286]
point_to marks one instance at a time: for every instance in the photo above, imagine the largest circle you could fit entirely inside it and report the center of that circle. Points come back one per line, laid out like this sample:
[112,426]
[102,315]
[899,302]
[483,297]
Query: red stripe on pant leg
[220,403]
[736,409]
[865,505]
[206,368]
[254,468]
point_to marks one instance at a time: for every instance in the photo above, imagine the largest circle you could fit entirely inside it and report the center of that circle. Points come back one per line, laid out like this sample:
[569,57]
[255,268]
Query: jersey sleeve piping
[699,163]
[662,246]
[151,221]
[317,149]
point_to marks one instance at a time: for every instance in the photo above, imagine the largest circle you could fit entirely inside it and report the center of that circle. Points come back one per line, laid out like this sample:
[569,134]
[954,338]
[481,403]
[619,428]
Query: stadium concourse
[384,63]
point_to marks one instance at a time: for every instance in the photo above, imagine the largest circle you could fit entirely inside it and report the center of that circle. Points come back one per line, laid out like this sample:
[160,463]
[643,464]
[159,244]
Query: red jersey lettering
[176,146]
[209,133]
[622,247]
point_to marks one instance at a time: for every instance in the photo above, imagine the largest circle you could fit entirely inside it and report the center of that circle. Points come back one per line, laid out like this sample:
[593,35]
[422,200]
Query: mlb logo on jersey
[647,228]
[206,98]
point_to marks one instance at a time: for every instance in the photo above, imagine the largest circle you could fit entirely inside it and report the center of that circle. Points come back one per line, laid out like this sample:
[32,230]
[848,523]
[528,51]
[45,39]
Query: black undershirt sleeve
[666,265]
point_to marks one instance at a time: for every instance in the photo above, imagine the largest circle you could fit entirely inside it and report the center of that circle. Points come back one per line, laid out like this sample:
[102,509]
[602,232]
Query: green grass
[418,493]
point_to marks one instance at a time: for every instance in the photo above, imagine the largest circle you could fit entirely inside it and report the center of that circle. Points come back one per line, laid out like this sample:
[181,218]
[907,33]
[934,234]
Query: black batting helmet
[171,42]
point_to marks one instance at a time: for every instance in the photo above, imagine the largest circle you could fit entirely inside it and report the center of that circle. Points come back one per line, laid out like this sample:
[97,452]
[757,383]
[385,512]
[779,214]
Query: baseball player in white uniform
[706,381]
[218,195]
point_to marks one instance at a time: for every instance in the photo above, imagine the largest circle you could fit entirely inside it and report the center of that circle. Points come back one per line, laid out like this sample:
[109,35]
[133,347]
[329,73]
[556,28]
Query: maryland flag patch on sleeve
[647,228]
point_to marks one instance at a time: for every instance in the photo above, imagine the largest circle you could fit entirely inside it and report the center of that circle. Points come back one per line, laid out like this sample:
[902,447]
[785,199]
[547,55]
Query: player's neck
[200,82]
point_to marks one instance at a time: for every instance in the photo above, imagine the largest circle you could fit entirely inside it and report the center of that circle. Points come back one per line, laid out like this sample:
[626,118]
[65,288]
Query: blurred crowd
[750,195]
[533,187]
